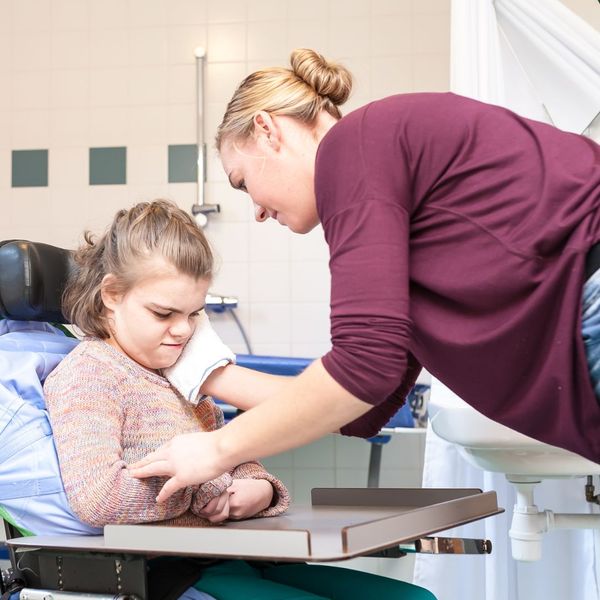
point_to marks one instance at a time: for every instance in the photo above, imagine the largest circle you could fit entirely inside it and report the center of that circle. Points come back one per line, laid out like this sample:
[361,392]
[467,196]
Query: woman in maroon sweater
[458,234]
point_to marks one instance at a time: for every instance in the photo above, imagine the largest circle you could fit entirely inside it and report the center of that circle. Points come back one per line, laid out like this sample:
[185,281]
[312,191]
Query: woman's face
[276,168]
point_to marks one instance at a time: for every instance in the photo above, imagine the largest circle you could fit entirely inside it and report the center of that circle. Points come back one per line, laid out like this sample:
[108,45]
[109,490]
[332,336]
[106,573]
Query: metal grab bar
[201,209]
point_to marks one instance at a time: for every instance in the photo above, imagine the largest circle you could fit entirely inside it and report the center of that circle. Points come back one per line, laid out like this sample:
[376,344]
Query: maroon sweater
[458,233]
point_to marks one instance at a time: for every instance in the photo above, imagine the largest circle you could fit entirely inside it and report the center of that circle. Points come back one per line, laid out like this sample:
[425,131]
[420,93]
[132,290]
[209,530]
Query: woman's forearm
[243,388]
[304,409]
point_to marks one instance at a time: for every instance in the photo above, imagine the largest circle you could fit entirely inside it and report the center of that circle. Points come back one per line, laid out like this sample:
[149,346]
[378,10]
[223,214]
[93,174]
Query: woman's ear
[110,298]
[266,130]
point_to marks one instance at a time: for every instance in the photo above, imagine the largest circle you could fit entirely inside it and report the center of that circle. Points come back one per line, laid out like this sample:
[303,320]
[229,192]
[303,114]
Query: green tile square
[183,163]
[29,168]
[108,166]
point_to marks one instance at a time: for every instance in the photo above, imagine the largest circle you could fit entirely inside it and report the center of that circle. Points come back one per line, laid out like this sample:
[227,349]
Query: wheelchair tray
[340,524]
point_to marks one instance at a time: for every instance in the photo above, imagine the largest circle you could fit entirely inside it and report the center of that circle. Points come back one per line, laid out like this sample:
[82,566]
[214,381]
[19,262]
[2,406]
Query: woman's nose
[260,214]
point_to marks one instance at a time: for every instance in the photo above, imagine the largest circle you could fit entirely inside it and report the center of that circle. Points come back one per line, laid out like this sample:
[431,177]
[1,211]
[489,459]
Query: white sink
[494,447]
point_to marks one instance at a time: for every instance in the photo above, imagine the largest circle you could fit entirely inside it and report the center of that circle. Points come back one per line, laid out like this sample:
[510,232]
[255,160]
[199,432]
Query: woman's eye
[242,186]
[195,314]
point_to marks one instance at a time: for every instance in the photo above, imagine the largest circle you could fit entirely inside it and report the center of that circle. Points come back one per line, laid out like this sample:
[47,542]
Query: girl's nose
[183,328]
[260,214]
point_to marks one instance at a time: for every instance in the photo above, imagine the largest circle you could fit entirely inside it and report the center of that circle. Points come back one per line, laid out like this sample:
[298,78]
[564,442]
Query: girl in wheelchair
[137,295]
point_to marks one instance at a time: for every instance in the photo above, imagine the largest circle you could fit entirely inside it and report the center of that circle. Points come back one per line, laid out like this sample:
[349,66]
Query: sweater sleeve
[86,412]
[371,422]
[365,206]
[211,418]
[370,314]
[209,490]
[248,470]
[281,496]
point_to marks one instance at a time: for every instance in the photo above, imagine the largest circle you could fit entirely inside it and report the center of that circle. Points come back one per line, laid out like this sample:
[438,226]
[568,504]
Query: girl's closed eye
[242,186]
[161,315]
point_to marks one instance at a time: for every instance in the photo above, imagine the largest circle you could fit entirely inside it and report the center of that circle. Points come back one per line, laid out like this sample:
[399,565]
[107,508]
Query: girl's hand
[247,497]
[218,509]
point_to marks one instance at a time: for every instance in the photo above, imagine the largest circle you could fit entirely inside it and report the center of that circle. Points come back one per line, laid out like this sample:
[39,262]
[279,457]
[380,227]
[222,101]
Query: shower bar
[201,209]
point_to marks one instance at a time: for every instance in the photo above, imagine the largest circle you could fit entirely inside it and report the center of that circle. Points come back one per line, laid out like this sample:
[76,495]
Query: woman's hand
[188,459]
[218,509]
[247,497]
[313,404]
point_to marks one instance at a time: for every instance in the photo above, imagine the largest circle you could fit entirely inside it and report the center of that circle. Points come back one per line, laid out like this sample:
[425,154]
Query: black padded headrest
[32,280]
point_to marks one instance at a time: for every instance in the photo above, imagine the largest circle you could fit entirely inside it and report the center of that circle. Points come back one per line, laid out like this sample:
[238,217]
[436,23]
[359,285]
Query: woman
[460,237]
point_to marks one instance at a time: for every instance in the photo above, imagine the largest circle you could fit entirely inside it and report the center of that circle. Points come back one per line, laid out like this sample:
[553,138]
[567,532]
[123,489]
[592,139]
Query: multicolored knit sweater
[108,411]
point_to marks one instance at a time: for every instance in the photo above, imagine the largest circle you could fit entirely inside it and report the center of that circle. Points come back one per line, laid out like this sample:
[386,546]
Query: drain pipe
[529,524]
[200,209]
[589,491]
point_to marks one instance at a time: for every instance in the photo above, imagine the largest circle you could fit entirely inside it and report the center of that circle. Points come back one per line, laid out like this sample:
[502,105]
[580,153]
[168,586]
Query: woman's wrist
[225,449]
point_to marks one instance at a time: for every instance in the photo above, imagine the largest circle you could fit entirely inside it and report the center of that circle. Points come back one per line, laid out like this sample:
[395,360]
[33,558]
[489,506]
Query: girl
[137,294]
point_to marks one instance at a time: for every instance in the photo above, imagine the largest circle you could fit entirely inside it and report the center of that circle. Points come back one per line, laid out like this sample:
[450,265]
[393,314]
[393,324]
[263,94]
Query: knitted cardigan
[107,411]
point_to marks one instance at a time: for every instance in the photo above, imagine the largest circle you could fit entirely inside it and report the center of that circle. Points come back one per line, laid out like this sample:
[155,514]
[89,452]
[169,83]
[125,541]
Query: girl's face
[153,321]
[276,167]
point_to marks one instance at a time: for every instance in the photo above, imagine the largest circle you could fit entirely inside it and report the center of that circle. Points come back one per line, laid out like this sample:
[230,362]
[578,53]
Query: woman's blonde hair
[312,84]
[135,237]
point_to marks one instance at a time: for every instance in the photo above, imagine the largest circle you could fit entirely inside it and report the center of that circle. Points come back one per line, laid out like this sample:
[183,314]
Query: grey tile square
[183,163]
[351,452]
[277,461]
[320,454]
[404,451]
[307,479]
[29,168]
[399,478]
[350,478]
[108,166]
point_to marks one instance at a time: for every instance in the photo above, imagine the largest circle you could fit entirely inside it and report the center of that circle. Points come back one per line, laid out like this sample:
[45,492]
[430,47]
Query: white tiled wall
[82,73]
[76,74]
[337,461]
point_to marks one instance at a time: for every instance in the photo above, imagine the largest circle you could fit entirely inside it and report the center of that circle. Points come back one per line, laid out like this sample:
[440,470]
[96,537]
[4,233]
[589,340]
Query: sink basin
[493,447]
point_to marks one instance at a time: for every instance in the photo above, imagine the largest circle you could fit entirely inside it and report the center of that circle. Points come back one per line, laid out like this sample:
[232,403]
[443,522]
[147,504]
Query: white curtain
[540,60]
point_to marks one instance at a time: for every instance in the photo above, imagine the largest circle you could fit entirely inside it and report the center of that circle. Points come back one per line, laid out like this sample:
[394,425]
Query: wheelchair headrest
[32,280]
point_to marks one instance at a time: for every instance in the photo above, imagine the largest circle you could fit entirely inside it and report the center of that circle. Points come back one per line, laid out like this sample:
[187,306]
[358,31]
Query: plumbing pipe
[530,524]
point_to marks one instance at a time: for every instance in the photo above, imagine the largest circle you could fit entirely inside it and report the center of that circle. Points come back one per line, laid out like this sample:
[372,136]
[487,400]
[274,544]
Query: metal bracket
[34,594]
[446,545]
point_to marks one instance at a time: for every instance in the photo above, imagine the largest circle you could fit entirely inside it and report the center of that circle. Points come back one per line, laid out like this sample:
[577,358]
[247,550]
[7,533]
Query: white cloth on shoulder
[203,353]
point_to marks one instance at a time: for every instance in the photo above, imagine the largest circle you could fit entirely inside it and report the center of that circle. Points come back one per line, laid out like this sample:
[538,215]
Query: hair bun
[328,79]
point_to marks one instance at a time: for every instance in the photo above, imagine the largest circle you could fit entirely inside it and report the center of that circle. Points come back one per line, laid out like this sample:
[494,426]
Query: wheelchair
[59,558]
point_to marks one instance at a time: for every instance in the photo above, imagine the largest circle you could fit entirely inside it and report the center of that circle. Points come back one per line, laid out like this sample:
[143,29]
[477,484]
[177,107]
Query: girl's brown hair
[312,84]
[135,237]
